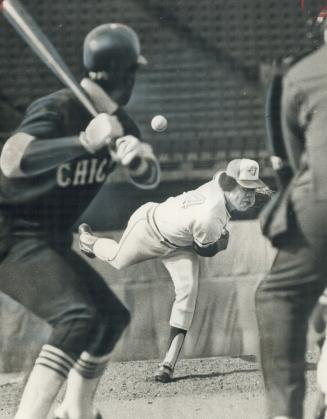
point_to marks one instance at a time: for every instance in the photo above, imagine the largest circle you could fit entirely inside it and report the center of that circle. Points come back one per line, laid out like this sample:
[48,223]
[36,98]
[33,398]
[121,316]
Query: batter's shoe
[164,373]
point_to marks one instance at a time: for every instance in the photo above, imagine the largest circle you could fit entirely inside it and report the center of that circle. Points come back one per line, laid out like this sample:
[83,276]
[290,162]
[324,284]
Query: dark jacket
[304,128]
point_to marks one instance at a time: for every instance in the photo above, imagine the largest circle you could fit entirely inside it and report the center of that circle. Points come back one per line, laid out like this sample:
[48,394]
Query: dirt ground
[221,388]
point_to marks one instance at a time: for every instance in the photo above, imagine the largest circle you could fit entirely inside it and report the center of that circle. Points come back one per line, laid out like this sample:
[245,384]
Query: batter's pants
[60,287]
[142,241]
[284,302]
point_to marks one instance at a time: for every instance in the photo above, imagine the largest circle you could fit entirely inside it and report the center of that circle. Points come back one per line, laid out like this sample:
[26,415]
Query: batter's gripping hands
[127,149]
[86,240]
[100,132]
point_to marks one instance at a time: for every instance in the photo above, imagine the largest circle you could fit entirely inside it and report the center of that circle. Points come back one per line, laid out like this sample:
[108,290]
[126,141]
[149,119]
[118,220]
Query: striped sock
[89,366]
[55,359]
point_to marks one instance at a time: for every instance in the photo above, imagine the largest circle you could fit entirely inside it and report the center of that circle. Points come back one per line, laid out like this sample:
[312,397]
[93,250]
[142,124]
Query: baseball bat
[29,30]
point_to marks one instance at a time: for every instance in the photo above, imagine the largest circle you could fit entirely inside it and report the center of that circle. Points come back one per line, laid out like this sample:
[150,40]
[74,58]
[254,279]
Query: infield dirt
[220,388]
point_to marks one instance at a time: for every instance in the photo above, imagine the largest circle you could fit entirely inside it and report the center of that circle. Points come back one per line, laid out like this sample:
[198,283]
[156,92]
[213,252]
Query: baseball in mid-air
[159,123]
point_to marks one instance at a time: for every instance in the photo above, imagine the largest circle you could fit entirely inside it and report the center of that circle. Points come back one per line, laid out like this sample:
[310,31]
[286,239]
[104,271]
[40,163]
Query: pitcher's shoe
[164,373]
[86,240]
[61,414]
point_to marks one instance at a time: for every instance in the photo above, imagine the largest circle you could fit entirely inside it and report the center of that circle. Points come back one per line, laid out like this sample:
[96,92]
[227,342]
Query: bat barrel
[28,29]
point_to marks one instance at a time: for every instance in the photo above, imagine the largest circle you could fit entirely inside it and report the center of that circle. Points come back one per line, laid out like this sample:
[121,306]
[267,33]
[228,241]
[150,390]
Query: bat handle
[112,152]
[133,165]
[84,99]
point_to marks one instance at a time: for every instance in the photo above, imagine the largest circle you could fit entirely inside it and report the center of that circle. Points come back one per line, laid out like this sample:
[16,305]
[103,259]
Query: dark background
[209,65]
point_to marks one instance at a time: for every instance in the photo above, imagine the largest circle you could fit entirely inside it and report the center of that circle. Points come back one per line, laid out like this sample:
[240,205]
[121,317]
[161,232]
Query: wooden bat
[30,31]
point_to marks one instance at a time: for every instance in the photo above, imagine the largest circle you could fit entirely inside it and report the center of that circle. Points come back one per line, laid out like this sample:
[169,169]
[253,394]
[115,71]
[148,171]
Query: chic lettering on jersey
[87,171]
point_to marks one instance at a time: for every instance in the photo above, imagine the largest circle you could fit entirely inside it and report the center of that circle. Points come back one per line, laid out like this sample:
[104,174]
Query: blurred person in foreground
[51,169]
[295,222]
[319,323]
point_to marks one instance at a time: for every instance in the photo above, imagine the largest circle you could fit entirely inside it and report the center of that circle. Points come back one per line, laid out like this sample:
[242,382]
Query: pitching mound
[220,388]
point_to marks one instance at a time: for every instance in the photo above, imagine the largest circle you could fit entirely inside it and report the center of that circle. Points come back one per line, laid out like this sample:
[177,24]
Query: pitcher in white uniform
[178,231]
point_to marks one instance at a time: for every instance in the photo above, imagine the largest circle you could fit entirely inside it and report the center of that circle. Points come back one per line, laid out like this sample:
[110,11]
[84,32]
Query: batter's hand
[100,132]
[128,149]
[86,240]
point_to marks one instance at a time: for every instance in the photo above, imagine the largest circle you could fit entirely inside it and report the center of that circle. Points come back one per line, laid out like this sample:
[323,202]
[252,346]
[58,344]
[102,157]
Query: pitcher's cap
[245,172]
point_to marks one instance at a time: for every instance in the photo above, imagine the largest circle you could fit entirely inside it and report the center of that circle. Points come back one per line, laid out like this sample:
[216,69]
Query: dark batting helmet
[112,48]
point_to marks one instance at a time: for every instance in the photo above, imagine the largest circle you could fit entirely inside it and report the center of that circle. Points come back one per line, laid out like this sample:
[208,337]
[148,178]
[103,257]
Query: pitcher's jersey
[199,215]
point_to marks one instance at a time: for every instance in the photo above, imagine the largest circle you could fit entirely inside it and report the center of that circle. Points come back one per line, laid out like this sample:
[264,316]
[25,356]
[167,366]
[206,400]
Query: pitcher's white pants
[322,370]
[183,267]
[142,241]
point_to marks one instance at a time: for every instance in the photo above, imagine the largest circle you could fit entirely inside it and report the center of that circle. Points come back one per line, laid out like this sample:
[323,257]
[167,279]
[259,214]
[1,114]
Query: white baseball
[159,123]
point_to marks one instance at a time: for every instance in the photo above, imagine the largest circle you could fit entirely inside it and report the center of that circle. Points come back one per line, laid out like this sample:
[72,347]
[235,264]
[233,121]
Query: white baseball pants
[142,241]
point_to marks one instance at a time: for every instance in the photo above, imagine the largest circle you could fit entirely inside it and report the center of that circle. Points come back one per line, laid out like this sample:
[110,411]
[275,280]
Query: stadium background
[209,65]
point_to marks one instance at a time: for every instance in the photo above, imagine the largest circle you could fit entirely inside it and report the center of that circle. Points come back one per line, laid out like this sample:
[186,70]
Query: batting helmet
[112,48]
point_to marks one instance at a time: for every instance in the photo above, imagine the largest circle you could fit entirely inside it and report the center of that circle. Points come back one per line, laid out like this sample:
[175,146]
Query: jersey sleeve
[43,119]
[207,231]
[40,143]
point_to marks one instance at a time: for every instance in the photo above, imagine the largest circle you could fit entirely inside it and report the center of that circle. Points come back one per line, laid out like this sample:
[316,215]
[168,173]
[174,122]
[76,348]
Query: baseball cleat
[98,416]
[63,415]
[86,240]
[85,228]
[164,373]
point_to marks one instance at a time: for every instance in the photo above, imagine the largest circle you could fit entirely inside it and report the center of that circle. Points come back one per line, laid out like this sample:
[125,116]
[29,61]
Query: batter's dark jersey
[53,201]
